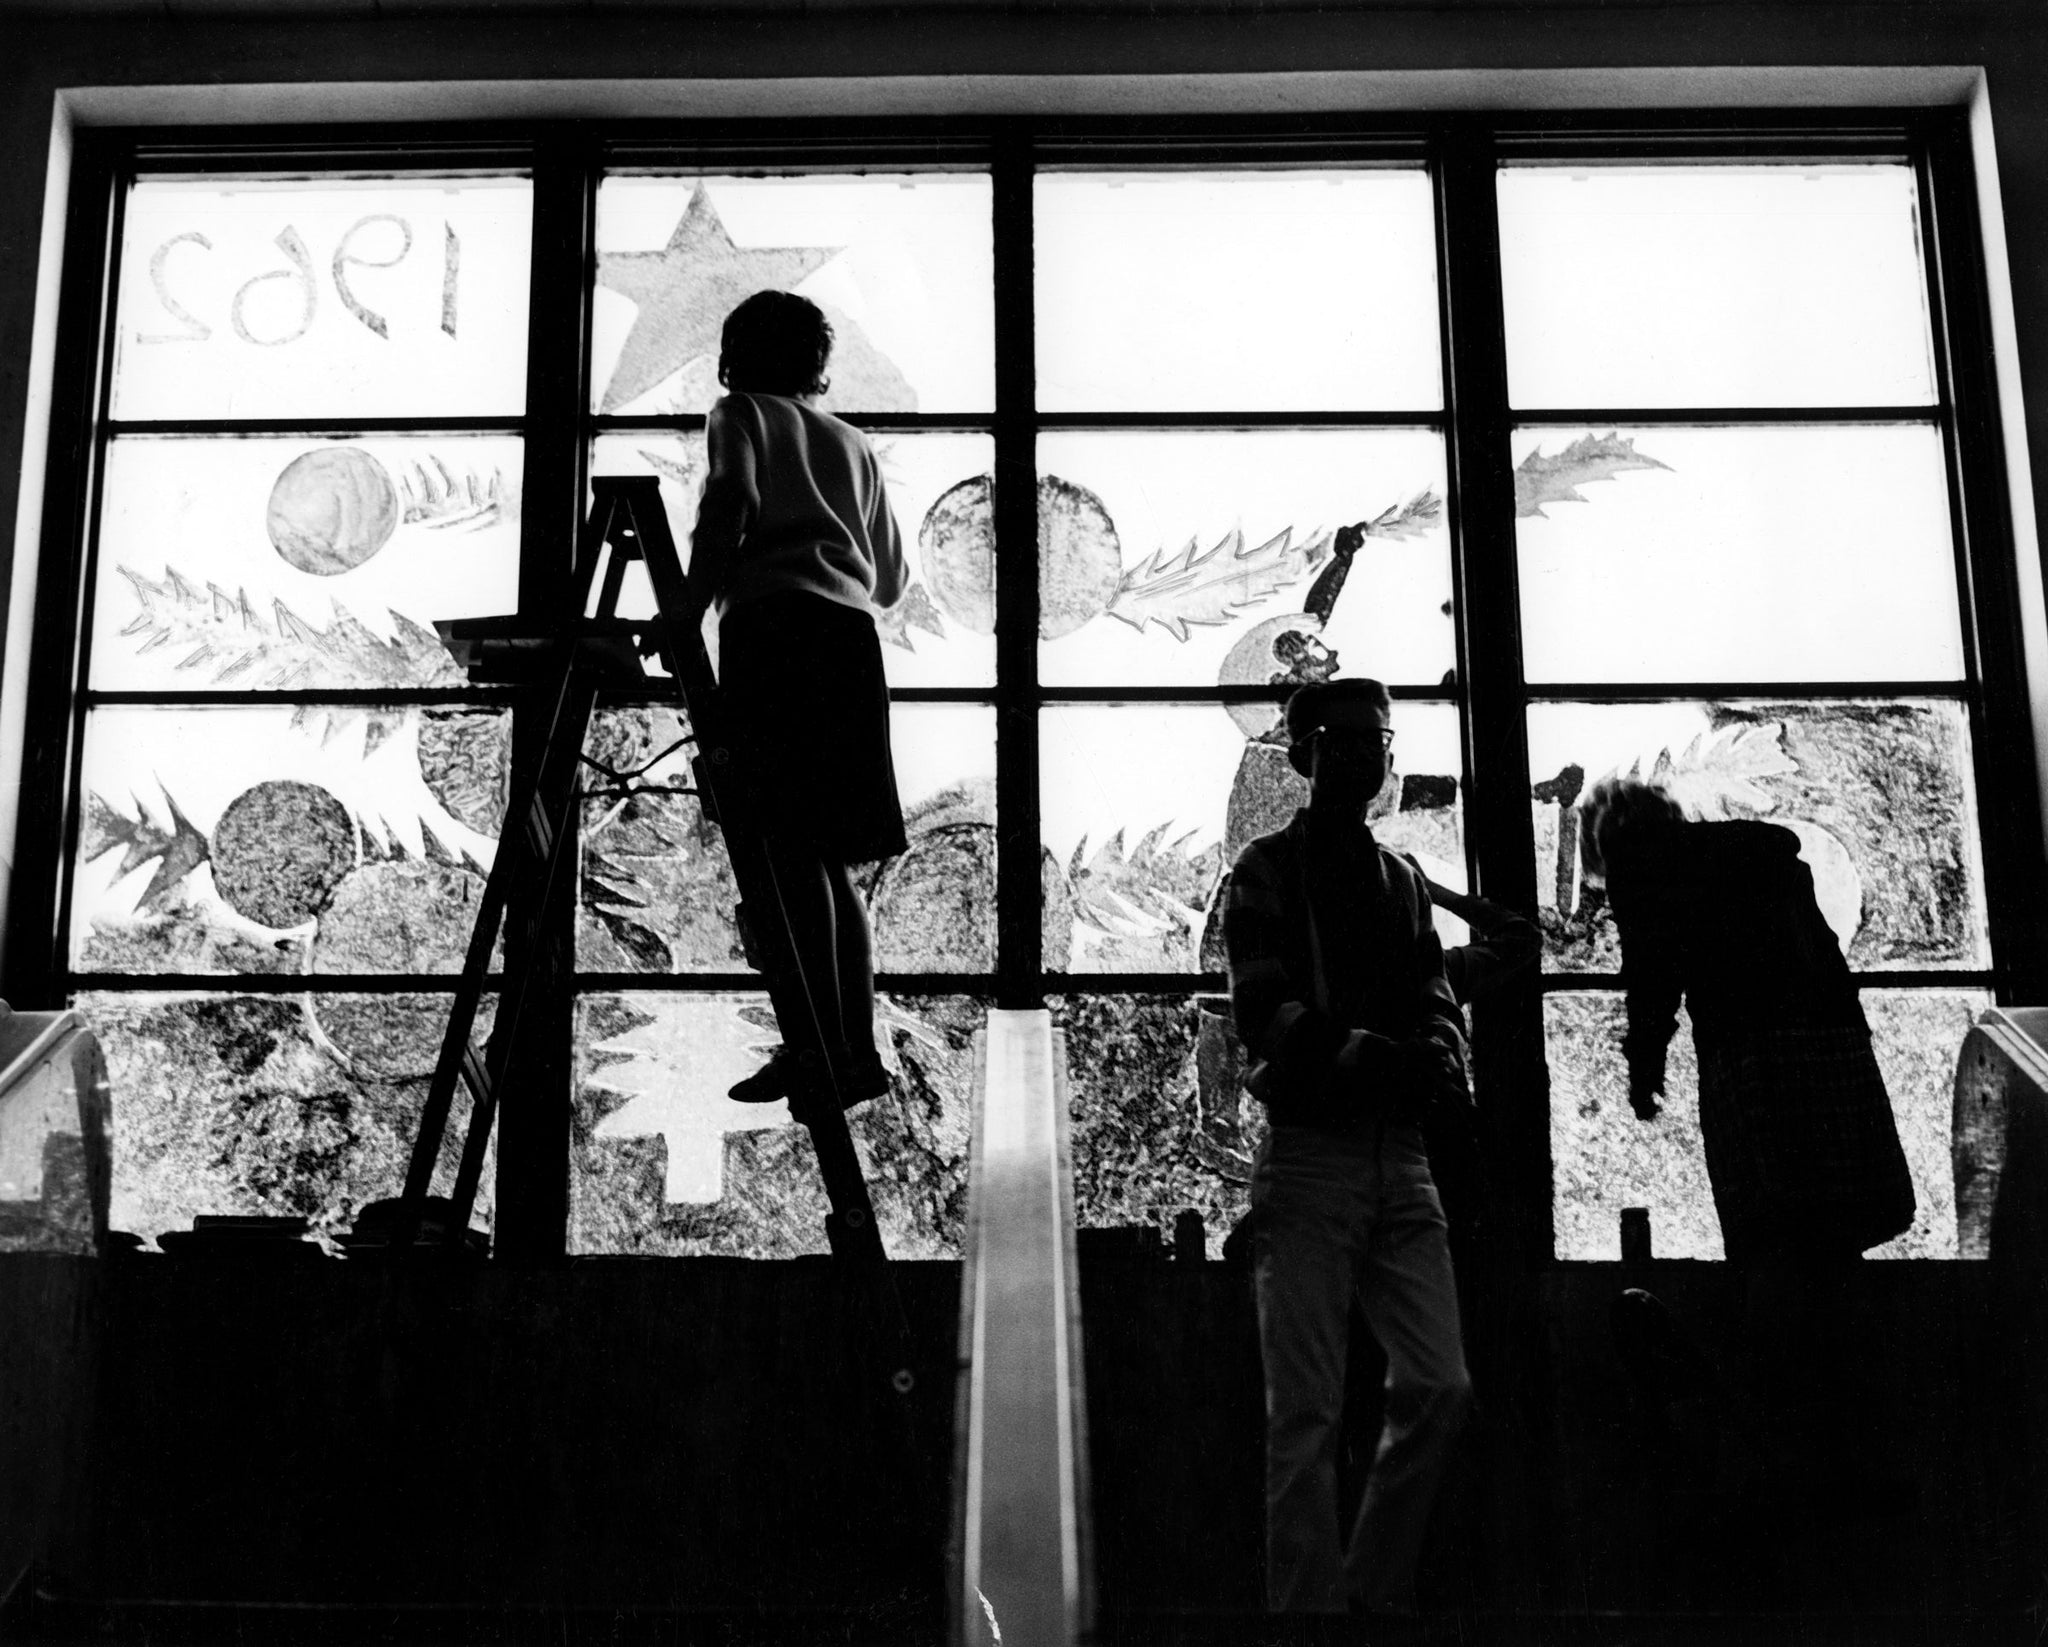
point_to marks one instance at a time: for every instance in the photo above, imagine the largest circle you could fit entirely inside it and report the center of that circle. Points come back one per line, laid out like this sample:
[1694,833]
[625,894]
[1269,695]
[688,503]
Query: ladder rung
[476,1072]
[540,831]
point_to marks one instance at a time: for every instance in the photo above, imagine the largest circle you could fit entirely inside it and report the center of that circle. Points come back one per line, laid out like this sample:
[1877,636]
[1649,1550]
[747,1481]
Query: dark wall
[700,1434]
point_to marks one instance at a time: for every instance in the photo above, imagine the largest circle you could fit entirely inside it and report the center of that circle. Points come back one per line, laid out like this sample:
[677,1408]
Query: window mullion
[1508,1030]
[1019,921]
[533,1139]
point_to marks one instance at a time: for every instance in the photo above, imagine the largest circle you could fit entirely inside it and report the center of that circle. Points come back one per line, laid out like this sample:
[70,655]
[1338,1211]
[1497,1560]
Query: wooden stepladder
[562,670]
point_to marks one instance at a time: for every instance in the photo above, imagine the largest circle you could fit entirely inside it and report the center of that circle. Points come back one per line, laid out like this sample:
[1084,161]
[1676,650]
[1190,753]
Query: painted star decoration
[685,291]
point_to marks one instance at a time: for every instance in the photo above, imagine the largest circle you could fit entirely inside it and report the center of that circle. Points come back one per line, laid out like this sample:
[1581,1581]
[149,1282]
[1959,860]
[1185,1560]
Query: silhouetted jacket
[1335,969]
[1723,915]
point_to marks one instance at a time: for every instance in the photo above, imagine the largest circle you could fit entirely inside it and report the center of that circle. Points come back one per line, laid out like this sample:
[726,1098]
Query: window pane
[336,297]
[1190,559]
[1605,1159]
[942,633]
[663,1164]
[1789,285]
[658,895]
[1240,291]
[903,267]
[299,564]
[1880,795]
[1144,806]
[1746,554]
[339,840]
[1159,1122]
[302,1105]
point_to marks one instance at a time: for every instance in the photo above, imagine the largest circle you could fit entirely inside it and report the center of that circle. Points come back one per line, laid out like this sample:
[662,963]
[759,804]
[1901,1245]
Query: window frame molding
[1461,149]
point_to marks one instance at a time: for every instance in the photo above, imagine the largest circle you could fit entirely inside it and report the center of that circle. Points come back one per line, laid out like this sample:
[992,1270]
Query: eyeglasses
[1385,734]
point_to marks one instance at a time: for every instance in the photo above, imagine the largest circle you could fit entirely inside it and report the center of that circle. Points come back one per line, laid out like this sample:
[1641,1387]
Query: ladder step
[540,831]
[476,1071]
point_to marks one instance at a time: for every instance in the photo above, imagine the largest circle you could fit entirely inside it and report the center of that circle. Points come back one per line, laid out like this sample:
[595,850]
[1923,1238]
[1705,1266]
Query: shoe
[788,1072]
[861,1075]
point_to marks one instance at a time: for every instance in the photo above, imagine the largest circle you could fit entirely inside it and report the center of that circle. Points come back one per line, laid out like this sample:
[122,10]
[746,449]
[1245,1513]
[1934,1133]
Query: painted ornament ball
[331,510]
[1079,556]
[279,851]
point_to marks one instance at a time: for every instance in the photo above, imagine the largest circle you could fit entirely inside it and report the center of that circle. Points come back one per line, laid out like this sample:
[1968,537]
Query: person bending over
[796,546]
[1337,988]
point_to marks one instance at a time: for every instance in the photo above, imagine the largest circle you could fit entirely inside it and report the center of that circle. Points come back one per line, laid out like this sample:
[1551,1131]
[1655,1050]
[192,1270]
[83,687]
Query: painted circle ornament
[331,510]
[279,851]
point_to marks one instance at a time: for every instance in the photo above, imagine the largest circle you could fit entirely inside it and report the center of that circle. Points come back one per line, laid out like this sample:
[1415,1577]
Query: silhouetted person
[1802,1150]
[796,544]
[1352,1036]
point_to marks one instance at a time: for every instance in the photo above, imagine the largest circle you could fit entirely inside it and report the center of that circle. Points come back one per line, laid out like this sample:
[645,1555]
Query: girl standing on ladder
[796,545]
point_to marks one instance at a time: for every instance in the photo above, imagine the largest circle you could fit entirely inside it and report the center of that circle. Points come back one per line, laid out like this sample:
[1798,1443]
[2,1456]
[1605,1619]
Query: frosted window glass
[902,265]
[273,563]
[384,297]
[942,632]
[1190,559]
[1736,554]
[287,1105]
[1159,1126]
[1145,806]
[341,839]
[663,1164]
[1790,285]
[1604,1159]
[1246,291]
[657,891]
[1881,796]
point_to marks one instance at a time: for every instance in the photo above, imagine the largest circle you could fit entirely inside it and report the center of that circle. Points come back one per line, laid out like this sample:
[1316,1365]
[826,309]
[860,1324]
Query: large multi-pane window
[1665,456]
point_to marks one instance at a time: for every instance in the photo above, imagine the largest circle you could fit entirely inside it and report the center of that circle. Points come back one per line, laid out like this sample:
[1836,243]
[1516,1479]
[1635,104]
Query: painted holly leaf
[914,611]
[612,895]
[226,636]
[1158,888]
[648,950]
[1720,774]
[1541,479]
[658,865]
[1211,587]
[177,850]
[686,471]
[433,495]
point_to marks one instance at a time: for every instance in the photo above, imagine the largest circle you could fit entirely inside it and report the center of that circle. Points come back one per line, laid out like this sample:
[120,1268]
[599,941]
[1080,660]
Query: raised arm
[1654,979]
[731,500]
[1503,944]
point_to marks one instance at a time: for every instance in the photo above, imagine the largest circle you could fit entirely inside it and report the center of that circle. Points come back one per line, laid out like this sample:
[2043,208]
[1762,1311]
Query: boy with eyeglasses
[1352,1035]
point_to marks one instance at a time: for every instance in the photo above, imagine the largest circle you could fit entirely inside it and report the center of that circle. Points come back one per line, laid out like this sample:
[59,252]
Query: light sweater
[822,523]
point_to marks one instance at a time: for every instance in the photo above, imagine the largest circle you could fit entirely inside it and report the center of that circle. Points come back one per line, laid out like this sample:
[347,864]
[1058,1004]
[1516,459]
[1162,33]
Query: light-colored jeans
[1338,1215]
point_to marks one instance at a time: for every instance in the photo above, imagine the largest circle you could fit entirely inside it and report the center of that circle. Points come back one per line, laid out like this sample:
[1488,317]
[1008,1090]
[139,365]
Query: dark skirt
[800,679]
[1801,1147]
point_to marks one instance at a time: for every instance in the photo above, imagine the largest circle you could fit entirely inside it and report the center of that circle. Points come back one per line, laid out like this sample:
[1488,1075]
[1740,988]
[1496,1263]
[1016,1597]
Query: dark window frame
[1462,153]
